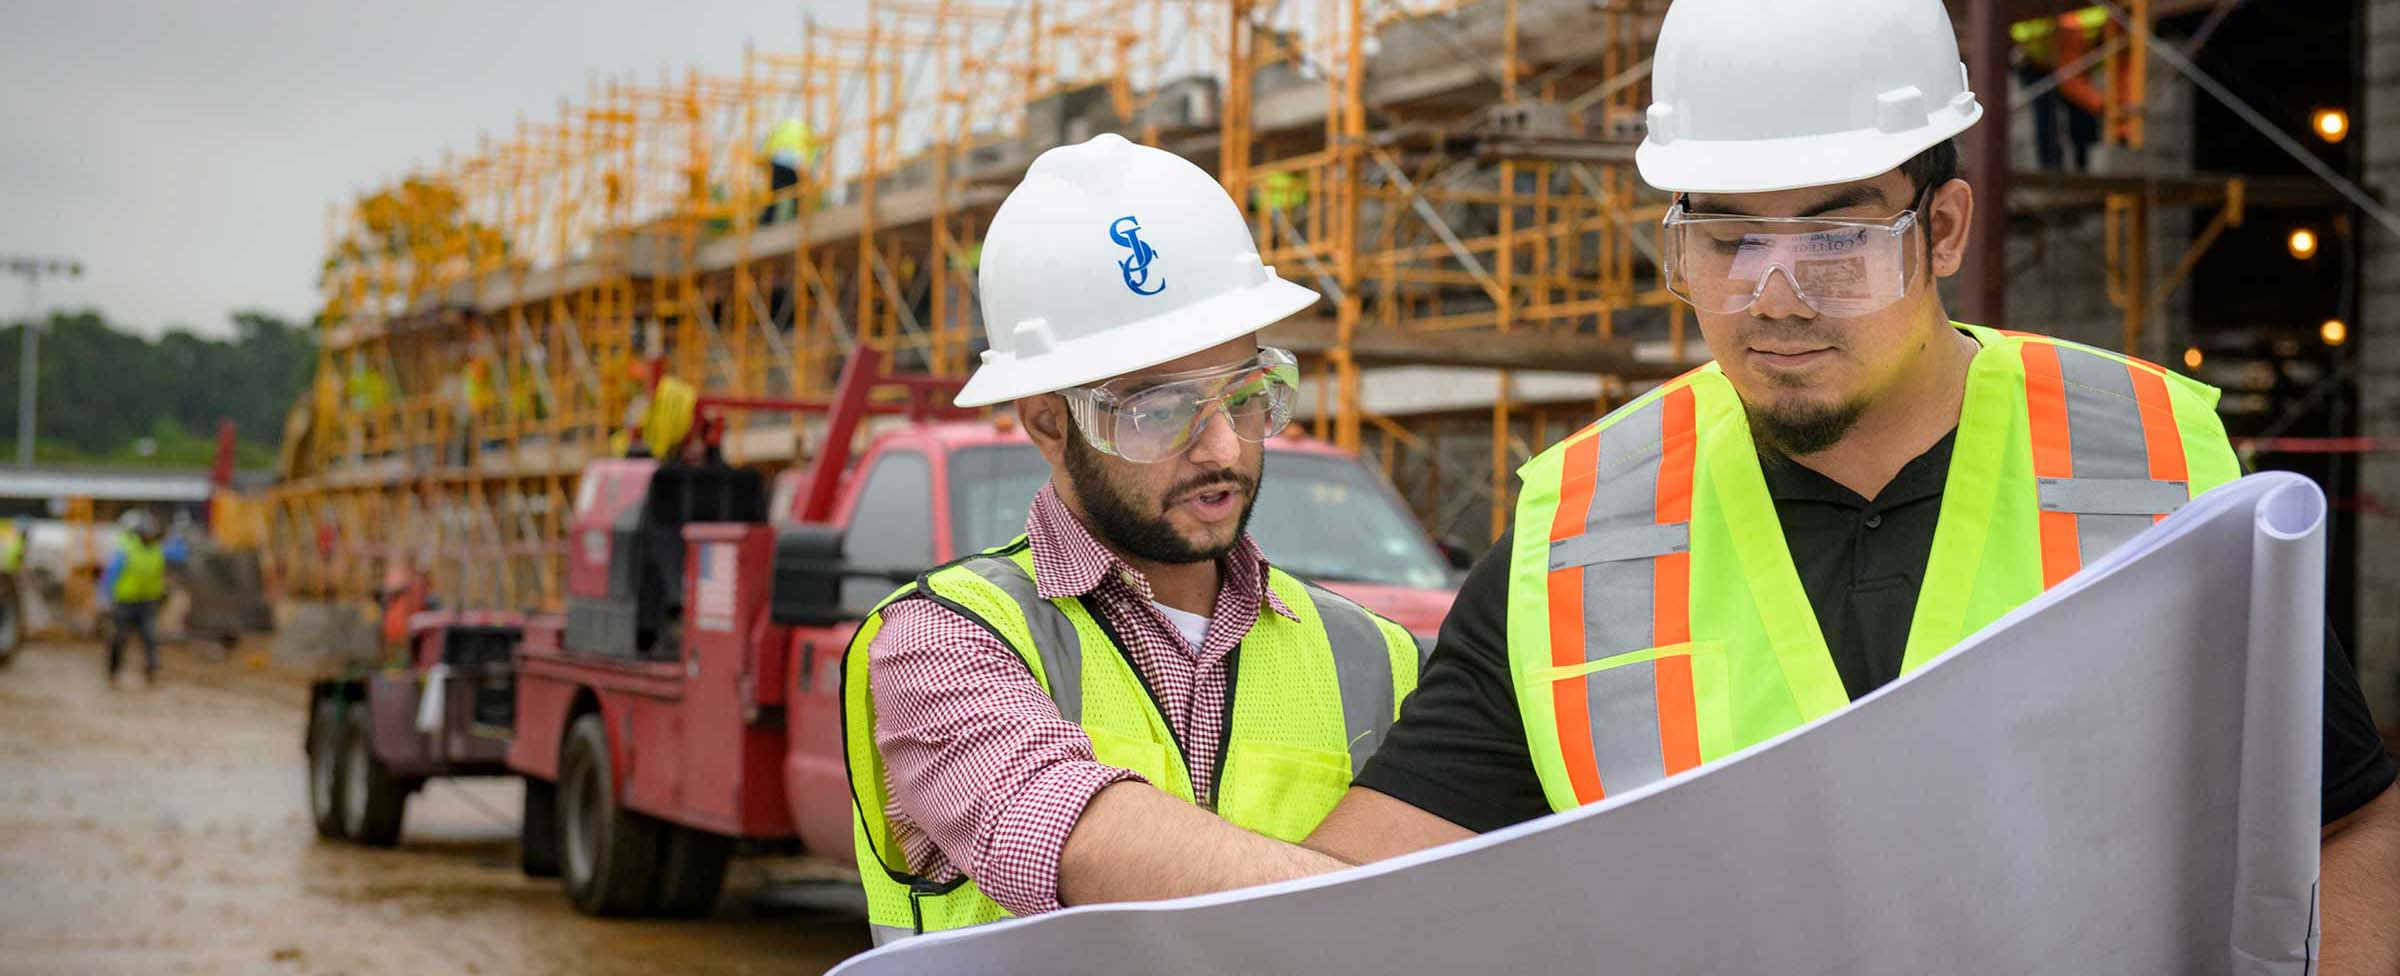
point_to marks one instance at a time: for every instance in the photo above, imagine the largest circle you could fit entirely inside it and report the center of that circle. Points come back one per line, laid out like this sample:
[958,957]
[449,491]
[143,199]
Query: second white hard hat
[1750,97]
[1112,257]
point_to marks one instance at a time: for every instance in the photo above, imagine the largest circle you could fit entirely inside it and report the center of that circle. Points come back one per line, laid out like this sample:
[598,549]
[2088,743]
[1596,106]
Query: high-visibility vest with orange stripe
[1656,621]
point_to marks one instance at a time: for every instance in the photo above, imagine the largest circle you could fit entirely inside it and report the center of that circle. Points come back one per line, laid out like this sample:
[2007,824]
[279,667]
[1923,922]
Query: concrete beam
[1488,350]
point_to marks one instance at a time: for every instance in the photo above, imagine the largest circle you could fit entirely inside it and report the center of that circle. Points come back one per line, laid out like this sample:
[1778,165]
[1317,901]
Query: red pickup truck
[681,707]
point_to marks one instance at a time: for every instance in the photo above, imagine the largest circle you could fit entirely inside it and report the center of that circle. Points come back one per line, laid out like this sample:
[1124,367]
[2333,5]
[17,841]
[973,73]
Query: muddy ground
[163,829]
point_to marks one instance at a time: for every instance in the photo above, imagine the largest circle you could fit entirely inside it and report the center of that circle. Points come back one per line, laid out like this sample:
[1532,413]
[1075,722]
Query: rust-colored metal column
[1983,280]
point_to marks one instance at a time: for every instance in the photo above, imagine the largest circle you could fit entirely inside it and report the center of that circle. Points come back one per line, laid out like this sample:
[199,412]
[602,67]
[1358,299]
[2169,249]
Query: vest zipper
[1233,675]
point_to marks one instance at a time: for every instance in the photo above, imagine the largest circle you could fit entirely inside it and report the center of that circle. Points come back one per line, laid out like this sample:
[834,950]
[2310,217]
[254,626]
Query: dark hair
[1934,167]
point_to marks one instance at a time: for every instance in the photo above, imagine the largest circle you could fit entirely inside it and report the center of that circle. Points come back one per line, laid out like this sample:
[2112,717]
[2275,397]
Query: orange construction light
[2303,243]
[2191,358]
[2332,124]
[2334,332]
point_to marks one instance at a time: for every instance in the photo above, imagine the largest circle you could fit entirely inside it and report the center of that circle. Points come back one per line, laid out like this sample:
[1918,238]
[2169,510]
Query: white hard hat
[136,521]
[1751,97]
[1112,257]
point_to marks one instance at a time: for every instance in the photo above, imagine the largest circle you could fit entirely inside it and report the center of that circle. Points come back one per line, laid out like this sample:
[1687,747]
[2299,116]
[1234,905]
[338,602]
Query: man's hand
[2359,886]
[1135,843]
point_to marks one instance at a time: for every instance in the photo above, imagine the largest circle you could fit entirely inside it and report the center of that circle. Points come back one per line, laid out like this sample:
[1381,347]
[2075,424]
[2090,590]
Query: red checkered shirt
[984,773]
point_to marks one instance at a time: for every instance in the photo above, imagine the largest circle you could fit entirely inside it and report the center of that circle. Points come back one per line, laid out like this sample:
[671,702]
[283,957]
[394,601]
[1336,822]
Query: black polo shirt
[1459,753]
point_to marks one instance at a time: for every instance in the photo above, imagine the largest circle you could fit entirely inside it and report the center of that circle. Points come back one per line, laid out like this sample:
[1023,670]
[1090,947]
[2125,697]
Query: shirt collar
[1068,561]
[1924,476]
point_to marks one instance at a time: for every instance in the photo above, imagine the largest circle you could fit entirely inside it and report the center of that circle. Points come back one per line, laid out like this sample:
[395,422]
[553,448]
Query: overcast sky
[186,150]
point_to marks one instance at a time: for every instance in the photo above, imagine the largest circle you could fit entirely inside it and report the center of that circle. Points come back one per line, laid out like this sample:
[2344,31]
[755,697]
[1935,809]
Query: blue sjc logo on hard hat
[1126,232]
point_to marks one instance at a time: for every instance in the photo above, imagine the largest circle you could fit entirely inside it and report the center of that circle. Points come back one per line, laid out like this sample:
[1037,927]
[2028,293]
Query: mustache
[1794,330]
[1230,480]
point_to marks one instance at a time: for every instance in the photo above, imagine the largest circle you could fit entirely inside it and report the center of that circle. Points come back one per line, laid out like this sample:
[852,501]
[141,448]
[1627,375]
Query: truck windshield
[1322,517]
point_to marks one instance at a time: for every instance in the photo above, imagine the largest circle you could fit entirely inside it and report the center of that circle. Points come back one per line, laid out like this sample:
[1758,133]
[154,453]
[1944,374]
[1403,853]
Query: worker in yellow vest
[137,575]
[1854,485]
[13,545]
[791,148]
[1061,720]
[2045,46]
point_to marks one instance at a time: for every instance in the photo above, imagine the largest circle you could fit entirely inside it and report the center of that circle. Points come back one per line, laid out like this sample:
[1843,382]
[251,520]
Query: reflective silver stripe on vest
[2112,496]
[887,934]
[1620,536]
[1362,669]
[2112,458]
[1620,544]
[1054,636]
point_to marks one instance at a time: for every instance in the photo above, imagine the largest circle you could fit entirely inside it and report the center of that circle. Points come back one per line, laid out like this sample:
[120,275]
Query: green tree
[102,389]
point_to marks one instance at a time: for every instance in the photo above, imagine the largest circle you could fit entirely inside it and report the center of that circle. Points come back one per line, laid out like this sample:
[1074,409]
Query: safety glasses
[1154,418]
[1839,267]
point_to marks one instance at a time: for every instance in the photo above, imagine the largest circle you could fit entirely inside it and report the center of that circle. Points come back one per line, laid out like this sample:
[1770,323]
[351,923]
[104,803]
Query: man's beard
[1803,429]
[1799,431]
[1118,520]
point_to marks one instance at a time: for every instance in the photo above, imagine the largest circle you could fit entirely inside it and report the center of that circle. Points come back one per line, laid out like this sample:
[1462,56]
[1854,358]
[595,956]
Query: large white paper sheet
[2121,777]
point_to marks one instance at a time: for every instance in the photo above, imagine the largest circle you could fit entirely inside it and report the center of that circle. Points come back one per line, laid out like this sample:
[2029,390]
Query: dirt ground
[164,830]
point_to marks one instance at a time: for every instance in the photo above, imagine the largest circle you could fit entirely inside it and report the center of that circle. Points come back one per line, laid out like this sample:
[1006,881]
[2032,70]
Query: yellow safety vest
[1656,622]
[792,142]
[143,578]
[12,553]
[1312,699]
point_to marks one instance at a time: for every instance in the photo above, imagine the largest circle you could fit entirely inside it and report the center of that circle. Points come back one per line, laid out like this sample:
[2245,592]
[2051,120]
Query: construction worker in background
[1054,722]
[136,583]
[477,389]
[790,148]
[367,389]
[528,394]
[16,590]
[368,396]
[1853,486]
[13,545]
[1282,190]
[471,402]
[2044,45]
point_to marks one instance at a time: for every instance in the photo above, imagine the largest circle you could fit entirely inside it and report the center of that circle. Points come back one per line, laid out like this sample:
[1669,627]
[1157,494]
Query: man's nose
[1779,297]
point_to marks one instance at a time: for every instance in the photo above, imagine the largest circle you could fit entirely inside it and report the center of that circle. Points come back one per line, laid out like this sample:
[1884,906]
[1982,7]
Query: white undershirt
[1194,627]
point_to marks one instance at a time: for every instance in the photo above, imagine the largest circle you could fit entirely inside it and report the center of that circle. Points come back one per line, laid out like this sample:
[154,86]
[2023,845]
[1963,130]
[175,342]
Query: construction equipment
[687,701]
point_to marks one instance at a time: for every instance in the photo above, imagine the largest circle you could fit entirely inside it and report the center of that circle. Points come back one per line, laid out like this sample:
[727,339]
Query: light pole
[33,270]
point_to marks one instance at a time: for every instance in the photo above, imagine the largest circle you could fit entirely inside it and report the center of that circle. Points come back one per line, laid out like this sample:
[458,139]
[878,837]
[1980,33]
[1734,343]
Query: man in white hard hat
[1878,481]
[1127,702]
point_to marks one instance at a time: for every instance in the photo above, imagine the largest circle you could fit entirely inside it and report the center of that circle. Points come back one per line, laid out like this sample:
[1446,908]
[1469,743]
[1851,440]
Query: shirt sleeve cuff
[1016,865]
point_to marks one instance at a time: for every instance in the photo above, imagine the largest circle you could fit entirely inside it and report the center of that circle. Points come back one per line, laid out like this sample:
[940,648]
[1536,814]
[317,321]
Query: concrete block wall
[2378,372]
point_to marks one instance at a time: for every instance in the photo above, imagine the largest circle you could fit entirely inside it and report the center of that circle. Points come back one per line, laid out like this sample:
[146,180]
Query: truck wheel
[372,800]
[612,853]
[325,768]
[537,830]
[692,872]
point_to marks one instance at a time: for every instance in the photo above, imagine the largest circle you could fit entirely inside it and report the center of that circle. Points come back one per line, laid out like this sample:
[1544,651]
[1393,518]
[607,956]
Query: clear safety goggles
[1157,417]
[1839,267]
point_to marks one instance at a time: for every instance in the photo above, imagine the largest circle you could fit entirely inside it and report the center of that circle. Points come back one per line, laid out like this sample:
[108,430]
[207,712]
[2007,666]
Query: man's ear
[1950,219]
[1045,419]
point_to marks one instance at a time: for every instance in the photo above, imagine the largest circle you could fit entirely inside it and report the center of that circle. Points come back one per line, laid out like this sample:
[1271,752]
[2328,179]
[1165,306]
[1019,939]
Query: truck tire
[612,854]
[372,800]
[537,830]
[692,872]
[325,768]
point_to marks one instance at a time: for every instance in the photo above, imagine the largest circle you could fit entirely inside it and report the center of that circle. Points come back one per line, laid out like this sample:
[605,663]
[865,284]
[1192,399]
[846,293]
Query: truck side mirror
[808,576]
